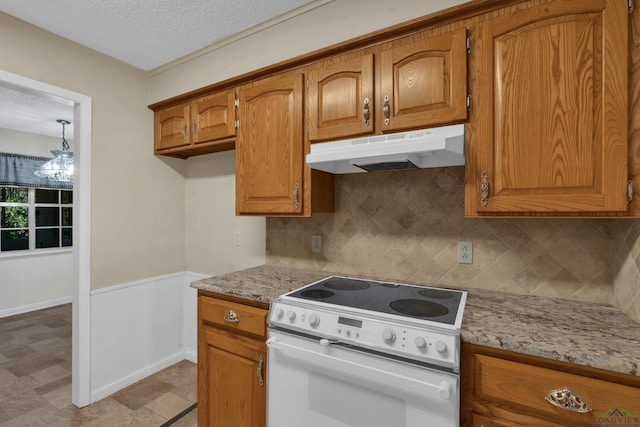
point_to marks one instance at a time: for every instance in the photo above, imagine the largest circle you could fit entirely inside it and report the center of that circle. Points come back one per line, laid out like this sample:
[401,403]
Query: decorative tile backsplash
[405,226]
[626,279]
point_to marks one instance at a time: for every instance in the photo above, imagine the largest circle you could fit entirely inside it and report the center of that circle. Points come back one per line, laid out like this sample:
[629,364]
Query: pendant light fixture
[60,168]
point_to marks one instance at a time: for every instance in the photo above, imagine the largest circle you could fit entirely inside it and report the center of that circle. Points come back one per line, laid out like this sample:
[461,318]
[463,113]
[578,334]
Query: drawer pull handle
[567,399]
[260,365]
[231,317]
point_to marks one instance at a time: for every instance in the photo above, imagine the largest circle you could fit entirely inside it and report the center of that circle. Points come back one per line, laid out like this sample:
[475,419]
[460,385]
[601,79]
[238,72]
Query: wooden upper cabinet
[205,125]
[270,146]
[171,128]
[423,83]
[213,117]
[552,110]
[340,99]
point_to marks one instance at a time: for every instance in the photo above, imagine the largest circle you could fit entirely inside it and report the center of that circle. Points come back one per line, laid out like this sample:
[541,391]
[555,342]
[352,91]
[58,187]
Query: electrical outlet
[316,243]
[236,238]
[465,253]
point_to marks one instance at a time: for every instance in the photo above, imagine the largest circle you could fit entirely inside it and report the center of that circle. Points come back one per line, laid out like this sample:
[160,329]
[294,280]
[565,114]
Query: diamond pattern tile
[405,226]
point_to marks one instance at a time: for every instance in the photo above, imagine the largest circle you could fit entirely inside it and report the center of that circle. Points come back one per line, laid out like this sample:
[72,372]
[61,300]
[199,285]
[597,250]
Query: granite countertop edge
[582,333]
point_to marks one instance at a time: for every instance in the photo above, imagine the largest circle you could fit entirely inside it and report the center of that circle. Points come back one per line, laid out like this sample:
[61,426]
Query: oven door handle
[345,368]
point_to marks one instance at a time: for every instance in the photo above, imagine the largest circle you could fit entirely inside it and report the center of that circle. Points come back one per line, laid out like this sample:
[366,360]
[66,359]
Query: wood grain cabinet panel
[552,110]
[505,389]
[270,147]
[340,99]
[423,83]
[204,125]
[231,365]
[171,127]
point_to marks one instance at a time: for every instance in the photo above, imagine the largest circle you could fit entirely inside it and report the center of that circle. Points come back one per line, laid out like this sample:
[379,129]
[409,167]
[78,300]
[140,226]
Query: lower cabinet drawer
[524,387]
[238,317]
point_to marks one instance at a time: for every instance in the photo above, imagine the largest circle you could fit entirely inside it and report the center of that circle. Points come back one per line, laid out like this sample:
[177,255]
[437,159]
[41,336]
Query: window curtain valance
[17,170]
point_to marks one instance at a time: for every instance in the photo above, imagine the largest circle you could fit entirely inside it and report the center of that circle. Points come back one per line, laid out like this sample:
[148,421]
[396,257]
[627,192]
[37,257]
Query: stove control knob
[445,390]
[291,315]
[314,320]
[421,343]
[279,313]
[388,335]
[441,347]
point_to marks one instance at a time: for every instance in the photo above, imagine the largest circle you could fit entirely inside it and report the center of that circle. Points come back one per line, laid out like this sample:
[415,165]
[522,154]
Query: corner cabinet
[231,364]
[505,389]
[204,125]
[422,82]
[550,108]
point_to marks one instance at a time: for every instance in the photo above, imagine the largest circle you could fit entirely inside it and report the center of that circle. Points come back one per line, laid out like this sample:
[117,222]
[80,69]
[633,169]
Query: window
[35,218]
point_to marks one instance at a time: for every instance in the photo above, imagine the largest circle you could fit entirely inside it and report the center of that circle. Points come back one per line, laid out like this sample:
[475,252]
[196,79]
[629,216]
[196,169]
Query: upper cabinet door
[552,109]
[214,117]
[340,99]
[424,83]
[270,145]
[171,128]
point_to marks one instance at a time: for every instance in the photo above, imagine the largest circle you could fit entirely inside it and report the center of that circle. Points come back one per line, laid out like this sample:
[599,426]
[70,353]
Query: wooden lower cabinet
[504,389]
[231,364]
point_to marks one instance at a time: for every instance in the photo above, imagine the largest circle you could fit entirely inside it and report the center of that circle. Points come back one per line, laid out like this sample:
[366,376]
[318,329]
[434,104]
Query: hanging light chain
[65,144]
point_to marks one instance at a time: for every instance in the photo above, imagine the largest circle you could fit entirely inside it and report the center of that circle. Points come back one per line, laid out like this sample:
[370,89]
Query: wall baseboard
[36,306]
[136,376]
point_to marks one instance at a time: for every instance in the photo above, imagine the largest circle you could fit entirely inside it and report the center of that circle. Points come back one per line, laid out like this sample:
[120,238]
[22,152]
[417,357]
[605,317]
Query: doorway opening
[81,314]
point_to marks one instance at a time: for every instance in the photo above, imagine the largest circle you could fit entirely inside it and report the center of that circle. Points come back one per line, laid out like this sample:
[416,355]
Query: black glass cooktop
[434,304]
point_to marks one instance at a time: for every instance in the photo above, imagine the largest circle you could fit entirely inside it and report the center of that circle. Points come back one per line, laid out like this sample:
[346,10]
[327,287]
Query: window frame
[33,228]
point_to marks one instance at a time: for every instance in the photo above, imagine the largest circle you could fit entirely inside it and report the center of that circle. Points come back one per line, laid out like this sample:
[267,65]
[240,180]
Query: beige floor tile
[189,420]
[50,374]
[168,405]
[60,397]
[35,381]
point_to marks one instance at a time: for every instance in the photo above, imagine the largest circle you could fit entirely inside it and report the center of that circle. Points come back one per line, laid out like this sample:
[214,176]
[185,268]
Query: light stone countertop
[583,333]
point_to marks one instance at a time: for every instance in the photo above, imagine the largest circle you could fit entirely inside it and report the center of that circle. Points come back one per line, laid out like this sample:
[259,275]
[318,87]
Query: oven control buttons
[314,320]
[441,347]
[421,343]
[291,315]
[388,335]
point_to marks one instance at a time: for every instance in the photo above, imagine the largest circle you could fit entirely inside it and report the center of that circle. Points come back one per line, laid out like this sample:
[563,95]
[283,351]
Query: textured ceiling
[143,33]
[34,112]
[147,33]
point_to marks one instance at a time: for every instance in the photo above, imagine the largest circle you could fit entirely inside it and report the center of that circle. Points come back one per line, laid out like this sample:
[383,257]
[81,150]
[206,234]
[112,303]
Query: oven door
[314,383]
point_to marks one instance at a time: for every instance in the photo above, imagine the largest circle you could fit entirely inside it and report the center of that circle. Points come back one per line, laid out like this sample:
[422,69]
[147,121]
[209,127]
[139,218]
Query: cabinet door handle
[231,317]
[566,399]
[484,188]
[385,110]
[365,112]
[260,366]
[184,131]
[295,195]
[194,129]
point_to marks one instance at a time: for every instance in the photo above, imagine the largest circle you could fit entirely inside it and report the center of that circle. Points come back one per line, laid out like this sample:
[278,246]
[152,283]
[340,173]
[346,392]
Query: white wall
[33,281]
[12,141]
[211,220]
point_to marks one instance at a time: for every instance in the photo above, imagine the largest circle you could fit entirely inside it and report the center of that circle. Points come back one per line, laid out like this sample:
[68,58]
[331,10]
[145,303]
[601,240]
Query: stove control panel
[409,339]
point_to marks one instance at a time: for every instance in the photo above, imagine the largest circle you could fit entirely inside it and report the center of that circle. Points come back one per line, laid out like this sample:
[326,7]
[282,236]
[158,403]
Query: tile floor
[35,381]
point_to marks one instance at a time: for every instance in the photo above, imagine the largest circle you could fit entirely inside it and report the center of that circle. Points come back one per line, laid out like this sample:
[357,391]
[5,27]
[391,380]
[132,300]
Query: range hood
[426,148]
